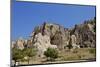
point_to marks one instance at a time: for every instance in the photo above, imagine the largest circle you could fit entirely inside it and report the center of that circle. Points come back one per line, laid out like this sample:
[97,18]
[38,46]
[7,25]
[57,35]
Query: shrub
[92,51]
[29,52]
[17,55]
[51,53]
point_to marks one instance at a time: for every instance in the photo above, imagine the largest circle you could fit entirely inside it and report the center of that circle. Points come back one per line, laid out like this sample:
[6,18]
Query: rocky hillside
[56,36]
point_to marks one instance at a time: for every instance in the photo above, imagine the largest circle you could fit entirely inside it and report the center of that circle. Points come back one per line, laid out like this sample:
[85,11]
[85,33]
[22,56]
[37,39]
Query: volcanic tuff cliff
[56,36]
[83,34]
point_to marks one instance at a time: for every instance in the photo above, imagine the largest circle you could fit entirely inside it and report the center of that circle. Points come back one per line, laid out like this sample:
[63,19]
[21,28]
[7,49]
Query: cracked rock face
[80,36]
[42,42]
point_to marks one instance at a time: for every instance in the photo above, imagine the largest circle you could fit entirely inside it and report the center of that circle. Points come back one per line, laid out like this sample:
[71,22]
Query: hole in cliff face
[85,37]
[81,46]
[25,45]
[69,46]
[91,41]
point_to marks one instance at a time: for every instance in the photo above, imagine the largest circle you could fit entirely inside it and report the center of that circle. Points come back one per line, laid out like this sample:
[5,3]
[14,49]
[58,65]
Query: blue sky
[26,15]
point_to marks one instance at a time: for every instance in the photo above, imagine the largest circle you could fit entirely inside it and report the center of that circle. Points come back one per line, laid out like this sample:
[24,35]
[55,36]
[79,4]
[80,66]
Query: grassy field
[78,54]
[66,56]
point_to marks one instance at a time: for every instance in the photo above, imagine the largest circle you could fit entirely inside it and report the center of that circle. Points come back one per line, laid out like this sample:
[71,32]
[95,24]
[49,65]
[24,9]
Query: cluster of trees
[19,55]
[27,53]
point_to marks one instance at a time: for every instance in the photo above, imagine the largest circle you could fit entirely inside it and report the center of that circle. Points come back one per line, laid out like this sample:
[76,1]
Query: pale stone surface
[42,42]
[73,42]
[20,44]
[90,27]
[13,44]
[56,36]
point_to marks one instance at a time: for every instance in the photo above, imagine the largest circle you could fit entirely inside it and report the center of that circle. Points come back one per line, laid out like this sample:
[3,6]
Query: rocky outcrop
[42,42]
[85,34]
[56,36]
[20,43]
[74,42]
[82,35]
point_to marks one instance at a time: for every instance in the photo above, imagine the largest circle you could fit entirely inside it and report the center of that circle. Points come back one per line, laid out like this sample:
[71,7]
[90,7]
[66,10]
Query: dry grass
[72,55]
[78,54]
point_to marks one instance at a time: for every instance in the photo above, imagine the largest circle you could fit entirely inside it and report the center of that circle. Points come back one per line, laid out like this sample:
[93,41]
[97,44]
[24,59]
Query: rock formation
[74,42]
[42,42]
[13,44]
[20,43]
[56,36]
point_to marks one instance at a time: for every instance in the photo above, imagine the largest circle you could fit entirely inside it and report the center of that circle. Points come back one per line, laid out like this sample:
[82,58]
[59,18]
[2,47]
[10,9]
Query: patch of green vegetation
[19,55]
[92,50]
[51,53]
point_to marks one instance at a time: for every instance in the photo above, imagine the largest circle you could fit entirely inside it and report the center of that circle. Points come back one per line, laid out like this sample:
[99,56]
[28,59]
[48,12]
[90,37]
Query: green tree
[29,52]
[17,55]
[51,53]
